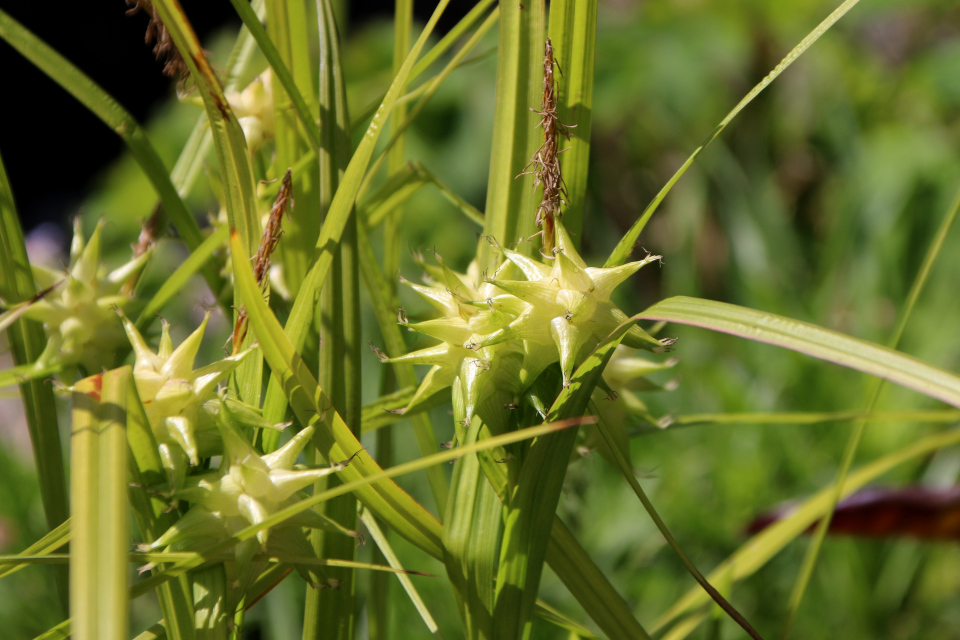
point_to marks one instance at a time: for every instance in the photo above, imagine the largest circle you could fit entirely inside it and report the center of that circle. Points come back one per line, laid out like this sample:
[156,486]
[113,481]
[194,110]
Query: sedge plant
[246,471]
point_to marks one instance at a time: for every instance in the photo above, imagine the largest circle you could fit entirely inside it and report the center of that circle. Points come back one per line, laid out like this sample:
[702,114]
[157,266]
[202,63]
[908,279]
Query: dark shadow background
[52,147]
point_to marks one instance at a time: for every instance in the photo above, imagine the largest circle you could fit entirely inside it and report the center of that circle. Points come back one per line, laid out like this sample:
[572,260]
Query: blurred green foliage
[817,203]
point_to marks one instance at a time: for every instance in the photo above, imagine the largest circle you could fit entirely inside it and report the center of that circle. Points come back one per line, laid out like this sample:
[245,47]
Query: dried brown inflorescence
[268,243]
[157,35]
[546,161]
[273,230]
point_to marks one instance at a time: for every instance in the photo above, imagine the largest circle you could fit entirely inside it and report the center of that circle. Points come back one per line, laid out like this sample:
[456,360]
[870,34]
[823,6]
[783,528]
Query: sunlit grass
[782,219]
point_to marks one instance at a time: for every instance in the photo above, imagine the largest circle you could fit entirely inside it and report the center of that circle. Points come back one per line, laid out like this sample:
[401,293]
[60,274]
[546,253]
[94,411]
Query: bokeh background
[818,202]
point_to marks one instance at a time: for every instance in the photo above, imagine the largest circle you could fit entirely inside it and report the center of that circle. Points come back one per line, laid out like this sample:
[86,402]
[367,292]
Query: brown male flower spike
[163,48]
[268,243]
[546,161]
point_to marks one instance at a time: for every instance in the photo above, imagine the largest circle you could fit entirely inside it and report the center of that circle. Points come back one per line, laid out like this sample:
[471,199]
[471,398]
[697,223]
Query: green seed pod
[180,401]
[77,313]
[254,109]
[498,335]
[247,489]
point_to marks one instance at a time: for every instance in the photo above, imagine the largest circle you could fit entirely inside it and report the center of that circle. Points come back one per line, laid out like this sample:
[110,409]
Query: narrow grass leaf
[386,409]
[556,617]
[623,249]
[175,556]
[400,186]
[471,212]
[98,486]
[756,551]
[813,417]
[60,632]
[14,313]
[26,373]
[252,23]
[384,546]
[27,340]
[45,546]
[812,340]
[511,203]
[686,626]
[333,438]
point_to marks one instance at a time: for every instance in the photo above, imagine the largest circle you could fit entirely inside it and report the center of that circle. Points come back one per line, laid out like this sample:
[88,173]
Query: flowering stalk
[546,161]
[268,243]
[163,48]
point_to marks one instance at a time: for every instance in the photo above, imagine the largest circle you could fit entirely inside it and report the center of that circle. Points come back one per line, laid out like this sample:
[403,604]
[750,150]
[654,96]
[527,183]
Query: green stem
[27,340]
[573,32]
[511,203]
[330,613]
[380,583]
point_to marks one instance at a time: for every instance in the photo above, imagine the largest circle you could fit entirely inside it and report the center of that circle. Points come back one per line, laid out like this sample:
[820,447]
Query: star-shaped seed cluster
[180,401]
[500,334]
[247,489]
[77,312]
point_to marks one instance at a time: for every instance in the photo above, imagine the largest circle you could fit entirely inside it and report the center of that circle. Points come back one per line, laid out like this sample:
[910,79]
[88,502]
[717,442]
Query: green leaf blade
[624,248]
[812,340]
[98,479]
[27,340]
[511,203]
[334,439]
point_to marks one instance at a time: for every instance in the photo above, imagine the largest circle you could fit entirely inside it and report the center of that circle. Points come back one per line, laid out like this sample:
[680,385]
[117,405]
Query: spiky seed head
[78,313]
